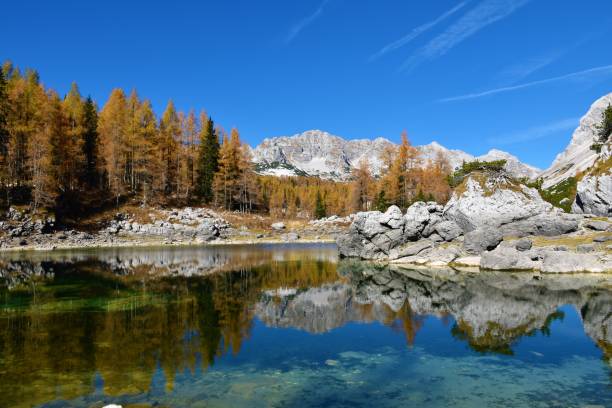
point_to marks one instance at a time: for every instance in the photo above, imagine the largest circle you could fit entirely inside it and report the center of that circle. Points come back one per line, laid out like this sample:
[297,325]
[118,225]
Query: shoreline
[159,244]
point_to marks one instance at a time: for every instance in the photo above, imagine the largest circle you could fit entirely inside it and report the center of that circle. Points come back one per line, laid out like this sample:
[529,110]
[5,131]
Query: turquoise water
[291,326]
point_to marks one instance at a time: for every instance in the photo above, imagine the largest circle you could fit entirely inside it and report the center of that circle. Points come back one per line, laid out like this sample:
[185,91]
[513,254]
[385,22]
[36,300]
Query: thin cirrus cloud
[484,14]
[297,28]
[536,132]
[585,75]
[416,32]
[520,71]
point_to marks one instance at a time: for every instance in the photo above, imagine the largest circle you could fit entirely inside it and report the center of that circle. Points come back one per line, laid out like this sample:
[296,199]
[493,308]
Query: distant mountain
[318,153]
[578,156]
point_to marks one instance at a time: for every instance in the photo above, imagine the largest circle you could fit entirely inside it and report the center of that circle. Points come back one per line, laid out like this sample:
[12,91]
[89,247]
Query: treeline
[405,177]
[70,157]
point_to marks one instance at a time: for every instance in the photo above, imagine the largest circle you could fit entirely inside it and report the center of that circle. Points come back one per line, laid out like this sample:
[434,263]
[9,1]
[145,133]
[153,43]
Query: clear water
[291,326]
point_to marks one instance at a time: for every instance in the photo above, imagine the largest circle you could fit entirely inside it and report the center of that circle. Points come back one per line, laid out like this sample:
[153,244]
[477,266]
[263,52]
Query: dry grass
[570,241]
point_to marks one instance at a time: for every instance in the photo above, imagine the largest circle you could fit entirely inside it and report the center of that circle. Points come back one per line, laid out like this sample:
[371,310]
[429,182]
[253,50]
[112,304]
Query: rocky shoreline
[492,223]
[175,227]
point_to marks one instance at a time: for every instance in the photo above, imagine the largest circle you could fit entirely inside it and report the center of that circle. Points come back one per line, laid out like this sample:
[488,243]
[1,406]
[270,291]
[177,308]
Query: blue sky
[473,75]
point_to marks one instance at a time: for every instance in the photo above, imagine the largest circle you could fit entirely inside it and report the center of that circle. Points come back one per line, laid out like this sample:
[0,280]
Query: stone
[594,195]
[597,225]
[290,236]
[481,240]
[492,202]
[568,262]
[508,258]
[548,224]
[585,248]
[448,230]
[410,249]
[278,226]
[467,261]
[603,238]
[523,244]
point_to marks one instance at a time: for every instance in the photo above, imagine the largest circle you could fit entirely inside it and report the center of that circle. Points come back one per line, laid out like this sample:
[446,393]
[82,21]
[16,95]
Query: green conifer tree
[90,143]
[320,210]
[208,160]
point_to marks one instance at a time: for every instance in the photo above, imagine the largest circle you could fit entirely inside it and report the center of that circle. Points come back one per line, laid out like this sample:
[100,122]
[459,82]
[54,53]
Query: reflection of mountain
[491,309]
[114,316]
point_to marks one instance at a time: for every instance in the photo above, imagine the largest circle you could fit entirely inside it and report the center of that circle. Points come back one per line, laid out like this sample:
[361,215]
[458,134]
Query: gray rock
[597,225]
[492,203]
[603,238]
[585,248]
[410,249]
[448,230]
[548,224]
[594,195]
[278,226]
[507,258]
[523,244]
[290,236]
[567,262]
[481,240]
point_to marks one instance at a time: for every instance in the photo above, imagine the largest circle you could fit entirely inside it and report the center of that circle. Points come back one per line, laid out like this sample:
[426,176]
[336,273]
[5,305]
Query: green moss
[455,179]
[561,195]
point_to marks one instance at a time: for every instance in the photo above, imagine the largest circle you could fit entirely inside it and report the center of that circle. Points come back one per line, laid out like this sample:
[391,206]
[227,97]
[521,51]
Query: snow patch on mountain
[319,153]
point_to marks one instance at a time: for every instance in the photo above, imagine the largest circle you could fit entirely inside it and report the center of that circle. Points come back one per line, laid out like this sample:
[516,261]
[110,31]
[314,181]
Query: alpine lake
[294,326]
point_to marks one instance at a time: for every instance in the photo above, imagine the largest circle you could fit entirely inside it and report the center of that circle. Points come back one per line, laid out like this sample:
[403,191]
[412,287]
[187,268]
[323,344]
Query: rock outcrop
[471,228]
[594,189]
[578,156]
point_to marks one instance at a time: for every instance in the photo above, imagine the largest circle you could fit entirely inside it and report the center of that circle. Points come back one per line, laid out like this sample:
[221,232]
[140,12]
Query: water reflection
[109,322]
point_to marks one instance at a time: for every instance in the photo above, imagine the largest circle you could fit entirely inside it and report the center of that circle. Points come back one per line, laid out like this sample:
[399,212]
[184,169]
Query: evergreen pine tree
[320,210]
[4,134]
[381,202]
[90,143]
[208,160]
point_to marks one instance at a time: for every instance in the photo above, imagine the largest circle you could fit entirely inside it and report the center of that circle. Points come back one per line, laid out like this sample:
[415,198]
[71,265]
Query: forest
[68,156]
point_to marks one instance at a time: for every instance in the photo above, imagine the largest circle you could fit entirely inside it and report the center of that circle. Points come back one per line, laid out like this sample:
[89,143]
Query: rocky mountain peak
[319,153]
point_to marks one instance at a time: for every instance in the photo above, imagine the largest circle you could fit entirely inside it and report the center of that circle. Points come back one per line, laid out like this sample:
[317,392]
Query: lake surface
[292,326]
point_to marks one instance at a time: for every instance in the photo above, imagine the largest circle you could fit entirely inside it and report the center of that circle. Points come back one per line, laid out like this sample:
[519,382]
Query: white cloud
[416,32]
[296,29]
[536,132]
[484,14]
[587,74]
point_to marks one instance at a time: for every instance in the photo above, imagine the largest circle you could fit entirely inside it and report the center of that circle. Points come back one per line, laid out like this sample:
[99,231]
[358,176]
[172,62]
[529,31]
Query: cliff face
[578,156]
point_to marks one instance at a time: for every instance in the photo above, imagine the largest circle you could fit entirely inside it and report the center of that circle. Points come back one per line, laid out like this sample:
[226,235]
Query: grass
[570,241]
[565,190]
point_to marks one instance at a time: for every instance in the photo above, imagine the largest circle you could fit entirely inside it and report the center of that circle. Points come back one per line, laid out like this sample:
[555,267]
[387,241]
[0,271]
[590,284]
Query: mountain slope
[578,156]
[318,153]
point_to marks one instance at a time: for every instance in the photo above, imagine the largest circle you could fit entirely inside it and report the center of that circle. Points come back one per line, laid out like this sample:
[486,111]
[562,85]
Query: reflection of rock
[168,261]
[492,310]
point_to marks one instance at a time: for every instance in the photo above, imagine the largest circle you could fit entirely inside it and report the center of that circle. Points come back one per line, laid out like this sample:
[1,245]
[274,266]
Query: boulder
[523,244]
[448,230]
[290,236]
[410,249]
[482,239]
[278,226]
[568,262]
[594,195]
[585,248]
[508,258]
[493,200]
[547,224]
[421,219]
[597,225]
[373,234]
